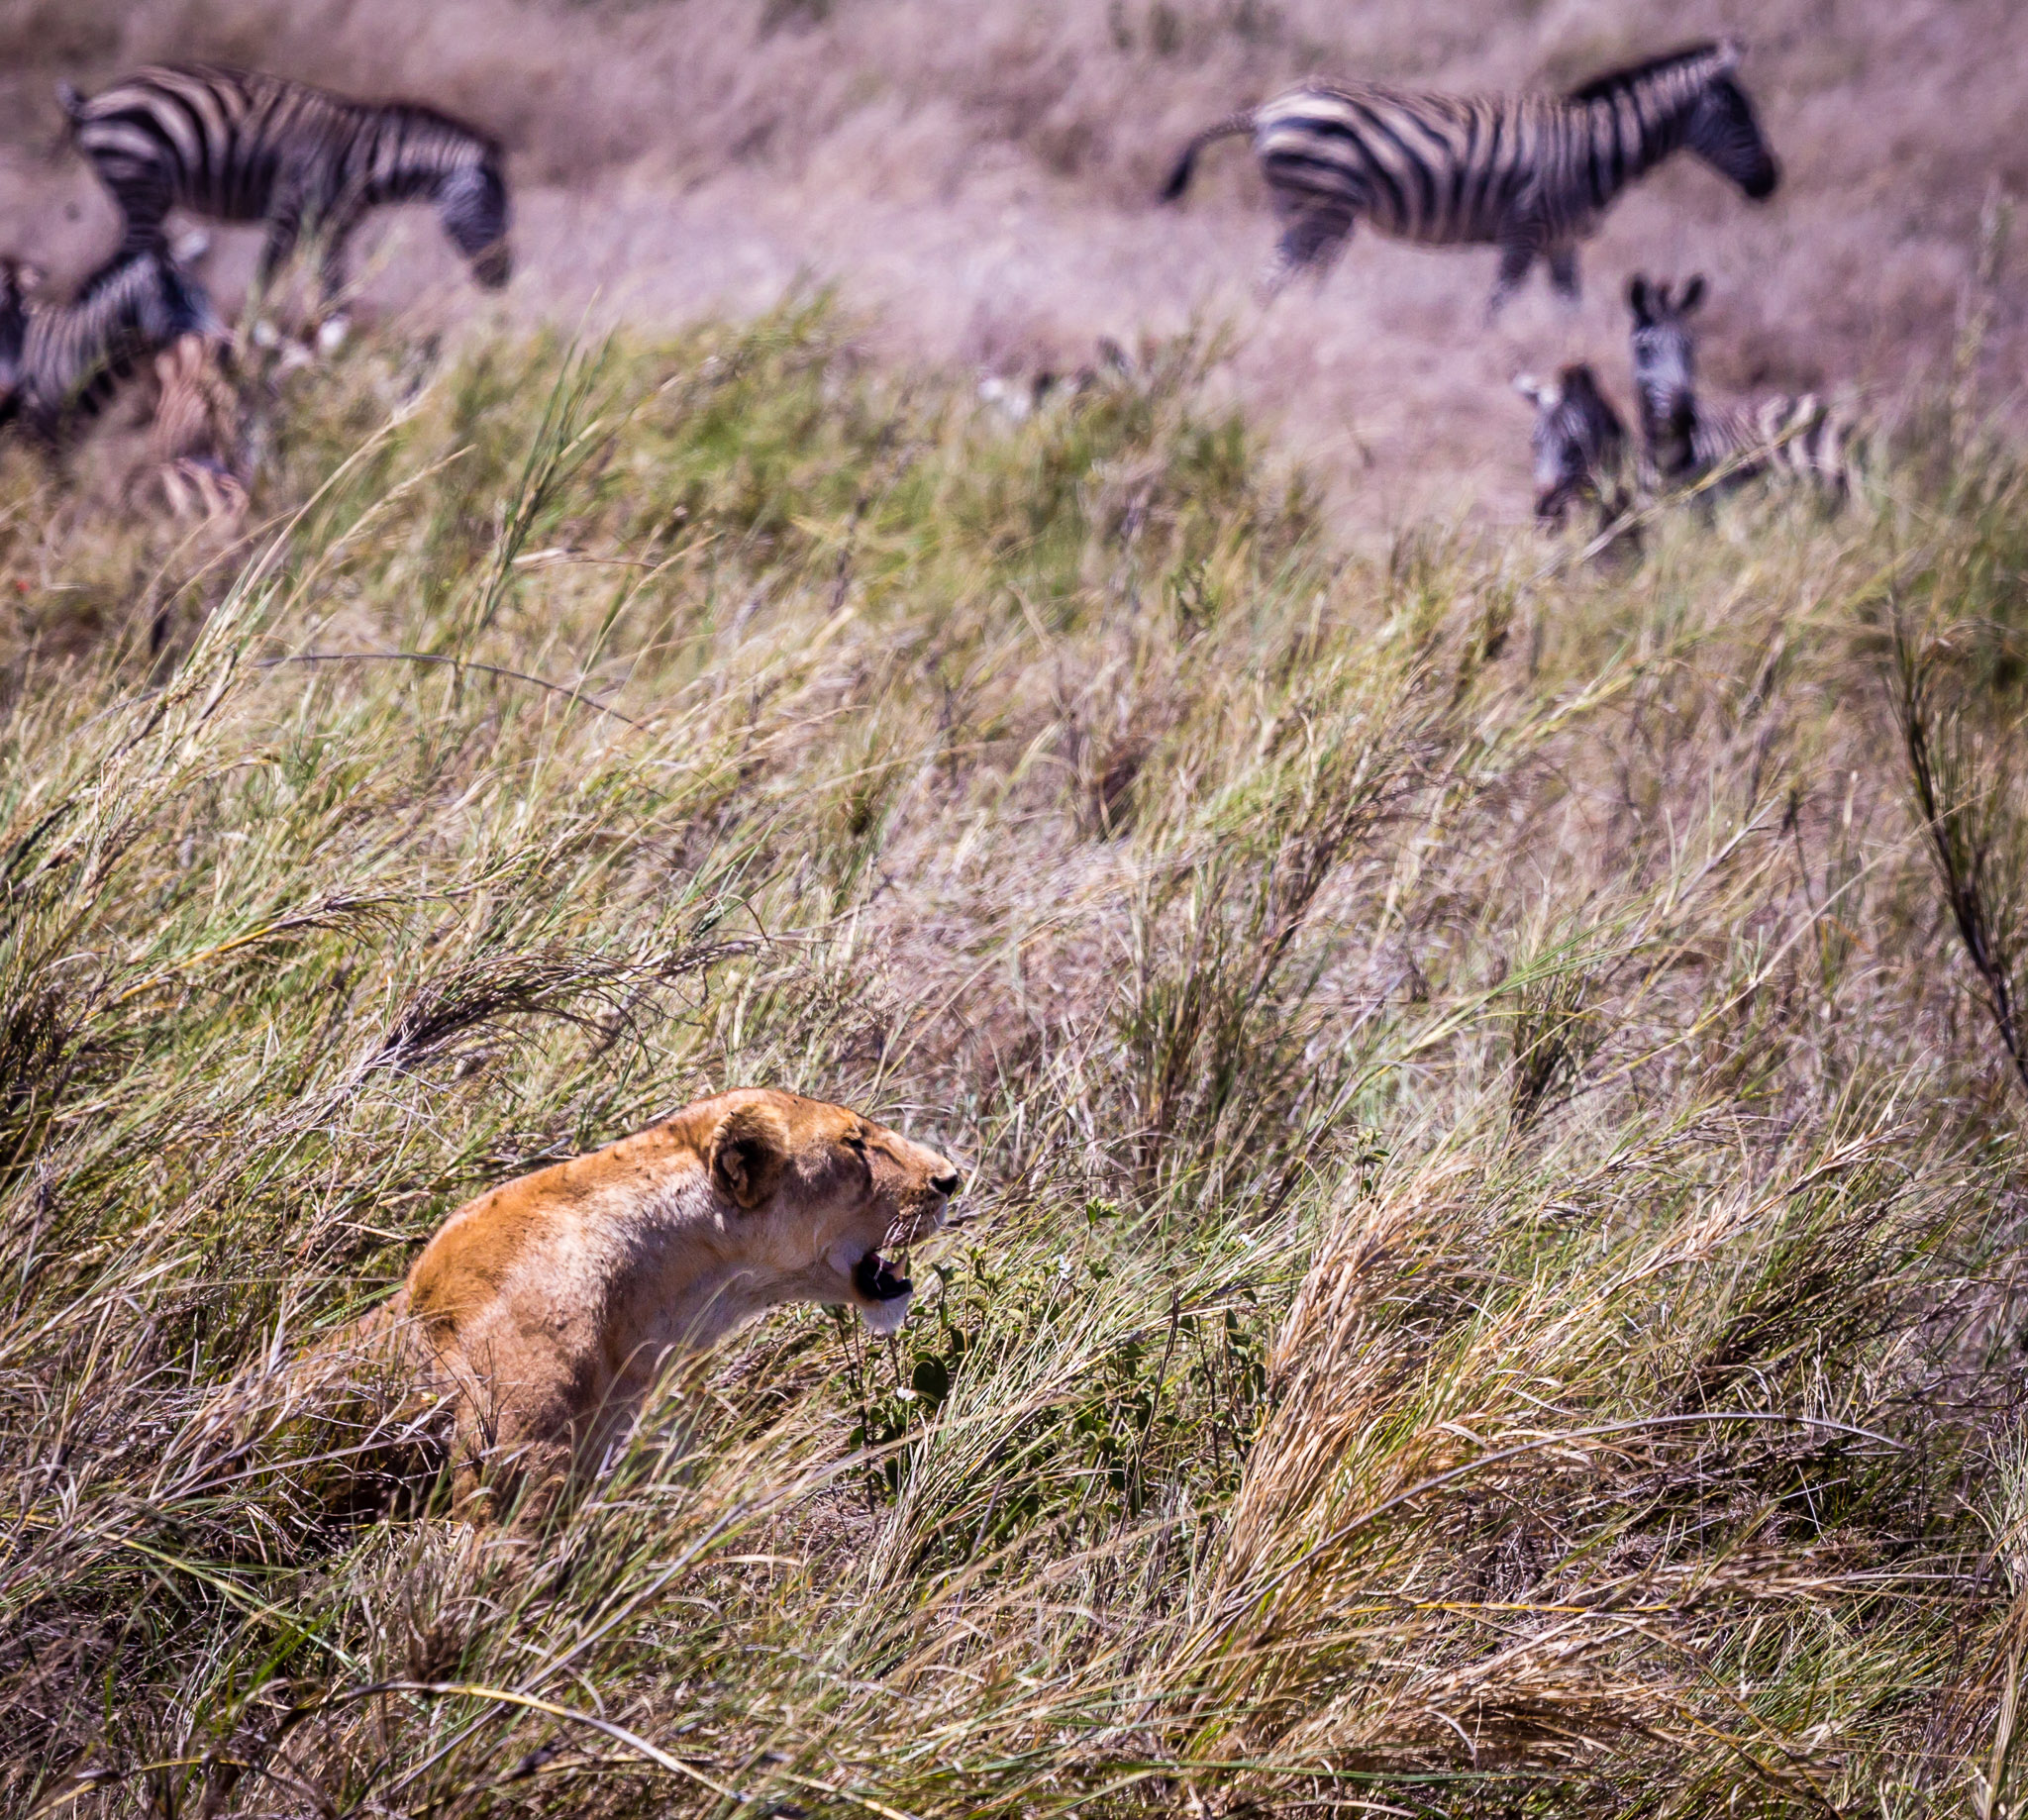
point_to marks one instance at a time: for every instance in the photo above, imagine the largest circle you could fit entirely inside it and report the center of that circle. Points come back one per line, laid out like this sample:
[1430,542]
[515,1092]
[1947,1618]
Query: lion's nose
[948,1183]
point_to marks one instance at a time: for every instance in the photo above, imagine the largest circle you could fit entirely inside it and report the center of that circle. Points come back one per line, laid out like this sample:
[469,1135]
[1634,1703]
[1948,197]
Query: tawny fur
[544,1311]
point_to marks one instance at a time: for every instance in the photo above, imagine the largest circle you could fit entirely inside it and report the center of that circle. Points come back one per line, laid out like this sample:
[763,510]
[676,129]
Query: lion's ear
[750,1153]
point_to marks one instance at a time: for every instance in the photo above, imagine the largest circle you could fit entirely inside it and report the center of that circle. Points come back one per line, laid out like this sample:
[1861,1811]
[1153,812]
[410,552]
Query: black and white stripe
[1790,436]
[1579,444]
[60,362]
[238,146]
[1530,174]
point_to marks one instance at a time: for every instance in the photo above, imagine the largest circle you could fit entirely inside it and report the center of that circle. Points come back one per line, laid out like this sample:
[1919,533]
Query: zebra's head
[1578,436]
[471,203]
[1724,132]
[1664,355]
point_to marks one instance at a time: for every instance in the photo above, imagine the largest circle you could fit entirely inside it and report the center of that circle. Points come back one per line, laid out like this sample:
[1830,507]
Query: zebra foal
[1793,435]
[194,444]
[1530,174]
[1580,445]
[238,146]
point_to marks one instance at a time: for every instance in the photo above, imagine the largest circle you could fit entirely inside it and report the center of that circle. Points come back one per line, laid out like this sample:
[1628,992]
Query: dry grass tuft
[1494,1282]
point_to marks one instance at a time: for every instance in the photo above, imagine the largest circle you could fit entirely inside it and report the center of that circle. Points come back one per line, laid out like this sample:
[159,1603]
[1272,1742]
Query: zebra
[194,441]
[1797,436]
[1531,175]
[60,362]
[1579,444]
[239,146]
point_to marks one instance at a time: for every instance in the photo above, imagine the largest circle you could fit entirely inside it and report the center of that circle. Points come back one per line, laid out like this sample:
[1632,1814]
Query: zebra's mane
[1720,55]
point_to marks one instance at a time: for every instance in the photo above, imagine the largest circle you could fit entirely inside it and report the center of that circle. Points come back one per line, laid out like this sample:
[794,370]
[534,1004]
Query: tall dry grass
[1491,1282]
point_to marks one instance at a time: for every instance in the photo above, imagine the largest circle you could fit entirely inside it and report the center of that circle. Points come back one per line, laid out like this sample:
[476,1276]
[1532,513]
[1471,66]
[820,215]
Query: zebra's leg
[1516,259]
[1825,458]
[143,208]
[335,232]
[1841,455]
[137,188]
[1563,272]
[284,229]
[1314,237]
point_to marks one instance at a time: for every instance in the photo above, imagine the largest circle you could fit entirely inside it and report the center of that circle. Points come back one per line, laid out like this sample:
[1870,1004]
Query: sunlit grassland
[1490,1273]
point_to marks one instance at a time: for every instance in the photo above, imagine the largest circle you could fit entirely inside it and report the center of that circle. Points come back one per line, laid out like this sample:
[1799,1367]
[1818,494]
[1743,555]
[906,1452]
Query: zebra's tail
[1180,177]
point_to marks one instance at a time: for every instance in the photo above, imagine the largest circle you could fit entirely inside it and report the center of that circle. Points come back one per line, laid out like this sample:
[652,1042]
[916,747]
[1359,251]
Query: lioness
[545,1310]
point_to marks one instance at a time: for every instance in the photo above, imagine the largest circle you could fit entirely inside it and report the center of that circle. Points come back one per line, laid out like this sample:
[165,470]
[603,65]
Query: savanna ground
[1491,1086]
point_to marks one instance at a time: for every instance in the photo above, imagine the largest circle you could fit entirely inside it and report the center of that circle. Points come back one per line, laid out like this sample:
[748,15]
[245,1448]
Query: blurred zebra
[1797,436]
[1580,445]
[194,443]
[239,146]
[1531,175]
[60,362]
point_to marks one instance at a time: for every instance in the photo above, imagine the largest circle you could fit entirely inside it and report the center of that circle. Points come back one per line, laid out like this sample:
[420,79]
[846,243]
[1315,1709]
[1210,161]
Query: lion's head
[822,1203]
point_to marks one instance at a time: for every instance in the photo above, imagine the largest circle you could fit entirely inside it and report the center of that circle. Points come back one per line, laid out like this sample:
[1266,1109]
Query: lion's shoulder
[479,1247]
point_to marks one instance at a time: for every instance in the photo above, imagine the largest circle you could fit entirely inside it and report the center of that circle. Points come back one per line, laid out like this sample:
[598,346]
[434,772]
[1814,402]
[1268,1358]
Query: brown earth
[977,180]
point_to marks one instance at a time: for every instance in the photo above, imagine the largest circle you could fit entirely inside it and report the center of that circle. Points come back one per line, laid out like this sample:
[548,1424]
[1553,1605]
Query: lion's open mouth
[876,1280]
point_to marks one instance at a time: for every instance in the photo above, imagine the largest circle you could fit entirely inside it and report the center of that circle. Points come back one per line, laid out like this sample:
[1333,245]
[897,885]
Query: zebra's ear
[1694,294]
[1637,299]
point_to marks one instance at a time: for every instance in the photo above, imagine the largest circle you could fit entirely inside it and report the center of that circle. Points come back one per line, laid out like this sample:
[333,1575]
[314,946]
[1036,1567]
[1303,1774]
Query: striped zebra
[1793,435]
[238,146]
[1580,445]
[194,443]
[60,362]
[1530,174]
